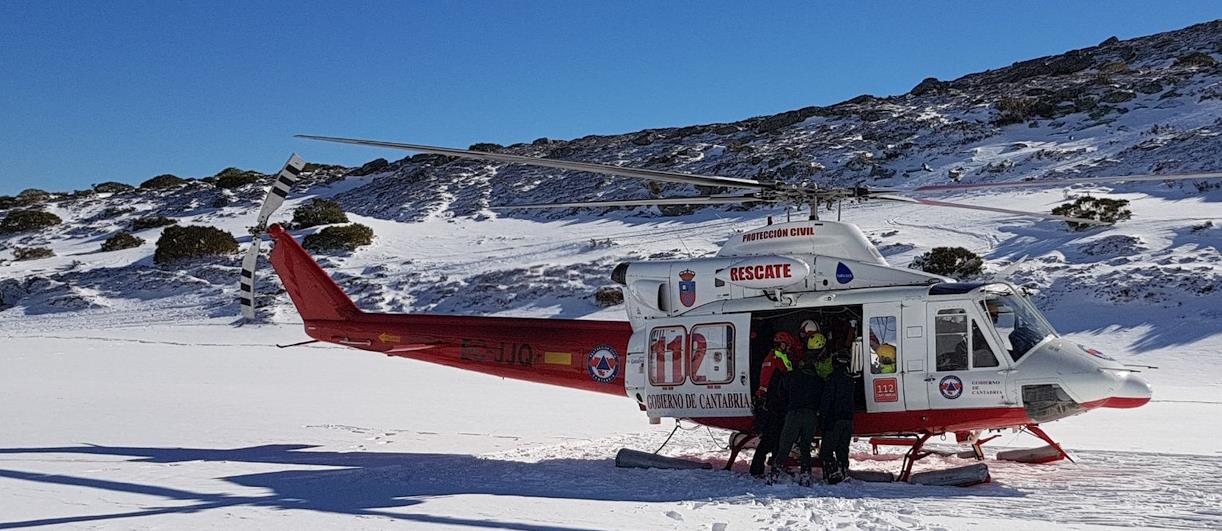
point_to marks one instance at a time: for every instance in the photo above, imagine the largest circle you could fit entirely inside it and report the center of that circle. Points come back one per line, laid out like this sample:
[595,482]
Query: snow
[204,425]
[150,413]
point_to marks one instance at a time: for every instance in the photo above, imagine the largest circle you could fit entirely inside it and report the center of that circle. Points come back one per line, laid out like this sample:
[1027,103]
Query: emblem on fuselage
[844,275]
[687,287]
[603,364]
[951,387]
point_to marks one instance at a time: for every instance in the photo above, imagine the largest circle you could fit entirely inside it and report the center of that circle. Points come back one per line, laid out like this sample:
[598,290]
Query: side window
[982,354]
[883,354]
[950,339]
[666,345]
[711,355]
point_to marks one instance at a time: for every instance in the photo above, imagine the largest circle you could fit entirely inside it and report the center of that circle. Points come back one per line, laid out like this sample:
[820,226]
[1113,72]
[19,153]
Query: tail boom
[581,354]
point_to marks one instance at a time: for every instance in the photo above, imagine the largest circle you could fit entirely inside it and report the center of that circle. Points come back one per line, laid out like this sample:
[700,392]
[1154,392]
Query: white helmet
[809,327]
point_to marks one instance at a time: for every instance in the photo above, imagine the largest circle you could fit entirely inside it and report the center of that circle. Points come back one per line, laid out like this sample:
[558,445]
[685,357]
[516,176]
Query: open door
[883,357]
[698,367]
[964,368]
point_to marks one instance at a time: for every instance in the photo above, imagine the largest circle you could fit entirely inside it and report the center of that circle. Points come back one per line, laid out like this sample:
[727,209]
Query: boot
[805,478]
[774,475]
[833,474]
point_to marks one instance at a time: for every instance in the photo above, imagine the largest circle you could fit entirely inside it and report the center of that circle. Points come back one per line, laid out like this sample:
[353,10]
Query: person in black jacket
[805,389]
[770,407]
[769,420]
[837,410]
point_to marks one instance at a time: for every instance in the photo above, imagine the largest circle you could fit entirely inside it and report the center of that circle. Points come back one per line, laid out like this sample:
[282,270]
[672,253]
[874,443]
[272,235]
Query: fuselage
[955,357]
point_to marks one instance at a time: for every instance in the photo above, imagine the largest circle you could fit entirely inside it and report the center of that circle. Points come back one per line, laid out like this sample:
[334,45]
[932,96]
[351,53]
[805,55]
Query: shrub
[313,167]
[955,262]
[1018,110]
[1096,208]
[230,178]
[1116,67]
[373,166]
[31,196]
[193,241]
[609,296]
[27,220]
[121,241]
[1195,59]
[151,222]
[21,254]
[486,147]
[114,212]
[164,180]
[111,187]
[340,237]
[318,212]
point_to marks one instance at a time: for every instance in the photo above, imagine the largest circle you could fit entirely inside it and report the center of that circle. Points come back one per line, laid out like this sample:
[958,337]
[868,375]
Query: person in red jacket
[784,347]
[769,407]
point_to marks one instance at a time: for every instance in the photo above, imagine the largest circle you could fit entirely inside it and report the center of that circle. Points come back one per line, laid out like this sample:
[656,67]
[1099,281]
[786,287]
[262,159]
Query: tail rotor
[285,178]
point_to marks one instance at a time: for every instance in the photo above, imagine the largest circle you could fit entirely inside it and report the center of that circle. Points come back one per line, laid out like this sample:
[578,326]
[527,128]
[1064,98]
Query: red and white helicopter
[956,358]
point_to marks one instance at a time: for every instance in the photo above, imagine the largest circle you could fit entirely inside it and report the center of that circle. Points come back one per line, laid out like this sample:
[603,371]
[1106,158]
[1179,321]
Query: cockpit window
[1017,322]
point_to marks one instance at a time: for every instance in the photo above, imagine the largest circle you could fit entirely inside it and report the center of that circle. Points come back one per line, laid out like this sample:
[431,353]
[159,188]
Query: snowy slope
[127,399]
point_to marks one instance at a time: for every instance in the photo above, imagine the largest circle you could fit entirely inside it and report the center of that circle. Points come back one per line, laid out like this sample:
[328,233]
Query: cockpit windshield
[1017,321]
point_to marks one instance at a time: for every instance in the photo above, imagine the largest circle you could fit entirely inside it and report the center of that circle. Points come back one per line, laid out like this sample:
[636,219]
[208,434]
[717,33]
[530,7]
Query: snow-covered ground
[158,412]
[209,426]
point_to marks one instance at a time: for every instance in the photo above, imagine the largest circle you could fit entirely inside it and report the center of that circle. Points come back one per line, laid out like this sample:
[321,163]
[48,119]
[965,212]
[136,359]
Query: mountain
[1146,105]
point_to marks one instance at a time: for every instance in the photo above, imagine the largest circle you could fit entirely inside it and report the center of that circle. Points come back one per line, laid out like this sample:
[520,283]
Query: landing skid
[960,476]
[738,442]
[1046,454]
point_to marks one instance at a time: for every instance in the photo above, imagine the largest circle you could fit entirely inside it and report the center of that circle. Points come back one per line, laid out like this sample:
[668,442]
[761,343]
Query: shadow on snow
[366,482]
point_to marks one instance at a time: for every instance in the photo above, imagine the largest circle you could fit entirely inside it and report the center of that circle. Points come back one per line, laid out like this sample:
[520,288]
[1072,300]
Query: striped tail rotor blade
[246,286]
[285,179]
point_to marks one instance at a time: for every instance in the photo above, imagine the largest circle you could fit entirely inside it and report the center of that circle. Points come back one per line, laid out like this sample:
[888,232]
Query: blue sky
[97,91]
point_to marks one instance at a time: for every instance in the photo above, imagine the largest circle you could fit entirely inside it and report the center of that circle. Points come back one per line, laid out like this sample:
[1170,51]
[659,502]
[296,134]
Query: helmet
[886,353]
[809,327]
[787,340]
[816,341]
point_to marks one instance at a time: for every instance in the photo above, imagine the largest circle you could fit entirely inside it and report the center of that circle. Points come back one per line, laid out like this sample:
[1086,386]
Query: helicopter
[930,356]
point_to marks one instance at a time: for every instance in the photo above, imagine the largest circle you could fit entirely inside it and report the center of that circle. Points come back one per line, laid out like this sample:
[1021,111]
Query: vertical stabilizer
[316,296]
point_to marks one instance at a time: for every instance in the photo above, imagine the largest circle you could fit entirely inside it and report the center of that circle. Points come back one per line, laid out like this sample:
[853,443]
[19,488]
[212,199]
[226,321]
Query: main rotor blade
[697,200]
[653,175]
[947,204]
[1064,182]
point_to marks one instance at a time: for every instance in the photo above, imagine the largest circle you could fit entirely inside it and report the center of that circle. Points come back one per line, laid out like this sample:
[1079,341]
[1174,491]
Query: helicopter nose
[1132,392]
